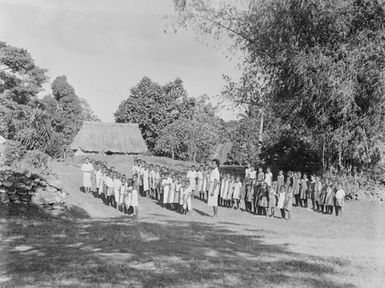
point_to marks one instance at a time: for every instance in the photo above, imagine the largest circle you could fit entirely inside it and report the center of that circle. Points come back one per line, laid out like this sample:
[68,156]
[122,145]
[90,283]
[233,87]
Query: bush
[36,159]
[14,152]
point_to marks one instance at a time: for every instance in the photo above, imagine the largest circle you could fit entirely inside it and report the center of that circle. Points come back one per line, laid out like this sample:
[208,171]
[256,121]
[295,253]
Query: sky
[106,47]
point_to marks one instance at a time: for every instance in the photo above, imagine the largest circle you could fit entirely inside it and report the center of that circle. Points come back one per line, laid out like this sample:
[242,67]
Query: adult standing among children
[87,169]
[214,187]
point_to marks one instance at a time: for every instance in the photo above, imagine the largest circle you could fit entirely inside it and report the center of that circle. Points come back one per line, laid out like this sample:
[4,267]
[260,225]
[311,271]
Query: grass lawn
[96,246]
[40,251]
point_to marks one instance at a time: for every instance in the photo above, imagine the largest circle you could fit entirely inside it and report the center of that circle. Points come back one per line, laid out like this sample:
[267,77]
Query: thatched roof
[109,137]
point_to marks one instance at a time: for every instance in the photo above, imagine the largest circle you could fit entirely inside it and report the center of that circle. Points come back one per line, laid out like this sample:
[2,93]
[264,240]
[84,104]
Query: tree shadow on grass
[201,212]
[123,252]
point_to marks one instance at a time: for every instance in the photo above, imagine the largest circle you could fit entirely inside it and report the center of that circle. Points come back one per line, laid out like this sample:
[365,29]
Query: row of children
[173,190]
[115,189]
[176,190]
[324,194]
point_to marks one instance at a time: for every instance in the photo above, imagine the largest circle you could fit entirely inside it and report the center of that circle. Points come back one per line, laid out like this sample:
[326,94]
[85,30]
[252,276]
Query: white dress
[230,190]
[269,179]
[87,170]
[204,182]
[166,189]
[187,202]
[117,188]
[223,188]
[171,194]
[192,176]
[110,185]
[98,177]
[200,181]
[213,199]
[237,190]
[146,183]
[281,200]
[128,196]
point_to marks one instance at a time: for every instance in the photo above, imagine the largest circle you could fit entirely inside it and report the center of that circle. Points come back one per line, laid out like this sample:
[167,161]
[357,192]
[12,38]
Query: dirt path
[357,238]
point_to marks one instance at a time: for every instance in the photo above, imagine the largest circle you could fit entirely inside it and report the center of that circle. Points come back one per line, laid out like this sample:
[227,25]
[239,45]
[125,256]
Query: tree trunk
[172,154]
[340,167]
[260,138]
[194,156]
[323,155]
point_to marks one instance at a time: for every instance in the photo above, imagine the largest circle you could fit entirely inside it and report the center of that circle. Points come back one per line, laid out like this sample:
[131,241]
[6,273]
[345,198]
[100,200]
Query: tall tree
[20,78]
[194,136]
[87,113]
[69,110]
[323,62]
[153,107]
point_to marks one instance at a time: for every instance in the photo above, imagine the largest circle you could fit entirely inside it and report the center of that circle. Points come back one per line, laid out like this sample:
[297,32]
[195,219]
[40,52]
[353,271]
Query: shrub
[36,159]
[14,152]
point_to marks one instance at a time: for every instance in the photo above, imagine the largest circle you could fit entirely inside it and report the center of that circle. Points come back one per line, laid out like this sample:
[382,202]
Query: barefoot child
[98,178]
[303,190]
[237,192]
[134,199]
[263,200]
[146,180]
[281,200]
[230,192]
[312,187]
[204,183]
[177,195]
[192,176]
[329,201]
[109,187]
[280,181]
[340,199]
[151,174]
[117,187]
[188,192]
[157,182]
[223,188]
[288,199]
[166,184]
[171,195]
[296,187]
[199,187]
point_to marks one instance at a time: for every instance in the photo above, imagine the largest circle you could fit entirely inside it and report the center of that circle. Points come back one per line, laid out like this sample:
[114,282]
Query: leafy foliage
[322,64]
[20,78]
[69,111]
[87,113]
[193,138]
[154,106]
[44,125]
[14,152]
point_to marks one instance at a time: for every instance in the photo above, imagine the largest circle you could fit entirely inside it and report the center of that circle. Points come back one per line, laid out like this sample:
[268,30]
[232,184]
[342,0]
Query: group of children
[296,189]
[172,190]
[175,191]
[114,188]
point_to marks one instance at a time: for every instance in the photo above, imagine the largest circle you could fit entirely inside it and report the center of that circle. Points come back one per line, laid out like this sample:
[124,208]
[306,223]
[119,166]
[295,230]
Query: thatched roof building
[100,137]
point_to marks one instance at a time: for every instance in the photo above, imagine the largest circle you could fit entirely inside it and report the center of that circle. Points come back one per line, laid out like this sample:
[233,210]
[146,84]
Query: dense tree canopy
[321,63]
[69,111]
[36,124]
[194,136]
[154,106]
